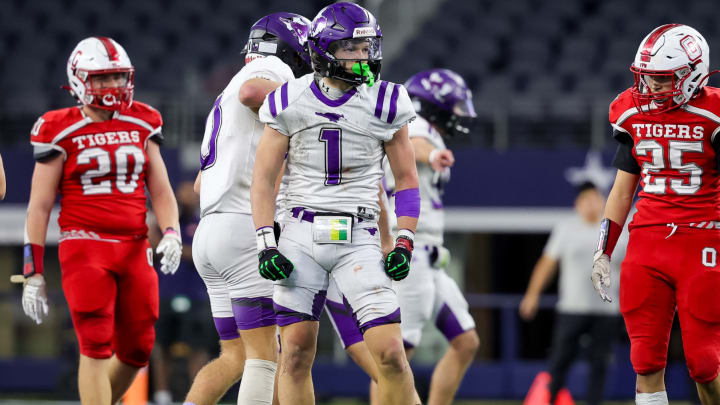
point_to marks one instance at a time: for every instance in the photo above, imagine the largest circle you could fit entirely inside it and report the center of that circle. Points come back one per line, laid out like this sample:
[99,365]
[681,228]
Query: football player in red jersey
[98,157]
[666,126]
[2,180]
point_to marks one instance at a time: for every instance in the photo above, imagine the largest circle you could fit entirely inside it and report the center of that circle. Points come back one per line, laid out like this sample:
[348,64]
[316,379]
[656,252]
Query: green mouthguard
[363,69]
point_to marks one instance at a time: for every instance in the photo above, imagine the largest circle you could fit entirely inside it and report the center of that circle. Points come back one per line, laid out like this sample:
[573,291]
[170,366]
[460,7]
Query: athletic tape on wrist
[32,259]
[265,238]
[433,155]
[609,235]
[406,239]
[407,203]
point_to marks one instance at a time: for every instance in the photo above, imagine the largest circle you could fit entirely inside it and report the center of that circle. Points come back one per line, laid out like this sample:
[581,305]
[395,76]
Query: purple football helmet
[283,35]
[350,28]
[442,97]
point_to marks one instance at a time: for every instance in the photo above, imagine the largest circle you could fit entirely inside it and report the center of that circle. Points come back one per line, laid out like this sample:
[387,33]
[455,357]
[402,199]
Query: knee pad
[134,348]
[702,365]
[94,333]
[702,296]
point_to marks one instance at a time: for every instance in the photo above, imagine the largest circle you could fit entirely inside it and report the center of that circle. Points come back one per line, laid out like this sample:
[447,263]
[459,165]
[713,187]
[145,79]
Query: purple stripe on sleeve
[271,101]
[383,320]
[448,324]
[328,101]
[407,203]
[381,99]
[345,323]
[252,313]
[284,96]
[226,328]
[393,103]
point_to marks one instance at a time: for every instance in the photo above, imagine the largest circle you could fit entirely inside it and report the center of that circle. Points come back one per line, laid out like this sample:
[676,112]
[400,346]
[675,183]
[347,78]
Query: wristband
[172,231]
[609,234]
[433,155]
[407,203]
[405,239]
[265,238]
[32,259]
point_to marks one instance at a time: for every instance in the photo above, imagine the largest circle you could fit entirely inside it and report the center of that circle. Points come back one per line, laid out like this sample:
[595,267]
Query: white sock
[162,397]
[653,398]
[258,381]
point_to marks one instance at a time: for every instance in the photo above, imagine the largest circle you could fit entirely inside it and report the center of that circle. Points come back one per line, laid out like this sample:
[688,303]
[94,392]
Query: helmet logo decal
[297,27]
[691,48]
[364,32]
[319,24]
[109,99]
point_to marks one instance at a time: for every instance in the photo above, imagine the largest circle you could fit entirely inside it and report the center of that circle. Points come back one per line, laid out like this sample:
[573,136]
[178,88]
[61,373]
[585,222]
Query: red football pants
[661,273]
[112,291]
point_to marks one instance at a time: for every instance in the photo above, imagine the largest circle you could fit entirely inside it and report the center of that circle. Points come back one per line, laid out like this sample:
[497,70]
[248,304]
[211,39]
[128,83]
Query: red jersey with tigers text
[103,181]
[679,182]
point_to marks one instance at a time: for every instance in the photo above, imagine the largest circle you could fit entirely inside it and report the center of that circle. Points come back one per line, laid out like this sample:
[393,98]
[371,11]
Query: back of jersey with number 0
[232,132]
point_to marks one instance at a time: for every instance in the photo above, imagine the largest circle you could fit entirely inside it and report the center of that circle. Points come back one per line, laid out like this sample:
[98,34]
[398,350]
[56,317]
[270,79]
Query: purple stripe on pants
[252,313]
[344,320]
[286,316]
[448,324]
[226,328]
[383,320]
[393,103]
[271,101]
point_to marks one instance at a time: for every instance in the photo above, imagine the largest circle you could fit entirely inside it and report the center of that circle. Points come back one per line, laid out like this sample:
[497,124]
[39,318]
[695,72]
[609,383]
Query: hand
[273,265]
[170,247]
[440,159]
[34,298]
[439,257]
[529,306]
[601,275]
[397,262]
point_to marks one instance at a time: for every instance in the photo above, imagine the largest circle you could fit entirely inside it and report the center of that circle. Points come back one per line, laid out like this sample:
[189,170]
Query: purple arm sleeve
[407,203]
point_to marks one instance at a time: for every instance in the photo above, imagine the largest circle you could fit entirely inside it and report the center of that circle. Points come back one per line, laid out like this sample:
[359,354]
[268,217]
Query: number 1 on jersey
[332,138]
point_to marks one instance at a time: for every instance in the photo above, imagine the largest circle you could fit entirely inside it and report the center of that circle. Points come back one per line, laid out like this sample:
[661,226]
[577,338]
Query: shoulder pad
[621,108]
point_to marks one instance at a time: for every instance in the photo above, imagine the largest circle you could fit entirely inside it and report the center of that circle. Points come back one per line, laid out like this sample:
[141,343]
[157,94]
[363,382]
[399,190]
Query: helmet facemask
[265,43]
[460,121]
[97,94]
[355,61]
[652,101]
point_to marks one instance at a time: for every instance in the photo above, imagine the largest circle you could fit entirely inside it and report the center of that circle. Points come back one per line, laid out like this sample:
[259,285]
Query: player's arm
[621,197]
[269,156]
[3,184]
[426,152]
[545,269]
[386,239]
[166,210]
[268,163]
[252,93]
[45,181]
[196,185]
[401,156]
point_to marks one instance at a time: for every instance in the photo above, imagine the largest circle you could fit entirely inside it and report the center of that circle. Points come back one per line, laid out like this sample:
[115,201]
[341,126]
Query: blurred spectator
[185,329]
[579,311]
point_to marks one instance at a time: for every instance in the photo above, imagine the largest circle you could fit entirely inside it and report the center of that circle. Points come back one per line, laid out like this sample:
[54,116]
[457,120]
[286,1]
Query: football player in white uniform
[444,105]
[224,246]
[336,126]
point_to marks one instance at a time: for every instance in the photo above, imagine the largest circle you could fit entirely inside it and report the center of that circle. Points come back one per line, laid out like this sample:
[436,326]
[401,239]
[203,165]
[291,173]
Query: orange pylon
[137,394]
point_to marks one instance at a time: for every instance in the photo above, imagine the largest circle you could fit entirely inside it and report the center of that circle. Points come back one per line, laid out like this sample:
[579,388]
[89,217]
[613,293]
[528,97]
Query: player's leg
[215,378]
[647,303]
[604,329]
[136,311]
[699,309]
[361,278]
[453,319]
[90,292]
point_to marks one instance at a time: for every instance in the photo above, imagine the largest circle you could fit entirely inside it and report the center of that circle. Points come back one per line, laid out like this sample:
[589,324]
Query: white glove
[34,298]
[170,247]
[601,274]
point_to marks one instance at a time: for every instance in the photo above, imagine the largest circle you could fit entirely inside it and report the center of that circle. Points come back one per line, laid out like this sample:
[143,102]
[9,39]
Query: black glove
[397,262]
[273,265]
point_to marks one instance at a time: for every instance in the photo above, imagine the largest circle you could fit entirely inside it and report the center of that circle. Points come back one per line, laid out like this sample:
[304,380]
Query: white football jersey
[336,146]
[432,217]
[232,132]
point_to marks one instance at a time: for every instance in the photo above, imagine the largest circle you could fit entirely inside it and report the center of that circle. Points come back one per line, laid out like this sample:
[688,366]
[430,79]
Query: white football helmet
[671,52]
[97,56]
